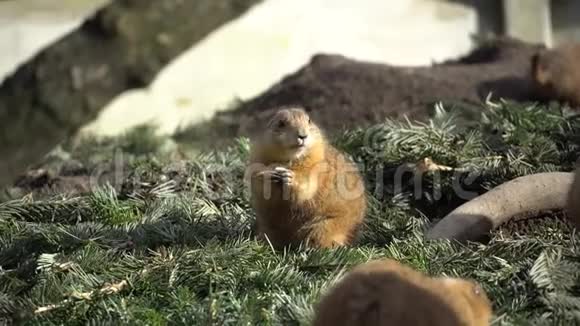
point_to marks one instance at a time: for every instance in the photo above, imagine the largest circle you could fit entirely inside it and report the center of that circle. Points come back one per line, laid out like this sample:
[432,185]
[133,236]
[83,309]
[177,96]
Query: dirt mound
[341,92]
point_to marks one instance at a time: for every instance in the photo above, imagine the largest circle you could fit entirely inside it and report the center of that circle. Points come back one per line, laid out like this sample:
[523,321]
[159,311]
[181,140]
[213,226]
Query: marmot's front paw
[283,175]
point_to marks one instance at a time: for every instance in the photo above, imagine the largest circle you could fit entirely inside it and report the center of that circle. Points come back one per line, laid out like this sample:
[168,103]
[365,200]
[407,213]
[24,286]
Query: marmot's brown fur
[386,292]
[303,190]
[556,74]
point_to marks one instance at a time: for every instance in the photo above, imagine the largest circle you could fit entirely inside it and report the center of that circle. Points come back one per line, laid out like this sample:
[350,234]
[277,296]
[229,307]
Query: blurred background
[277,37]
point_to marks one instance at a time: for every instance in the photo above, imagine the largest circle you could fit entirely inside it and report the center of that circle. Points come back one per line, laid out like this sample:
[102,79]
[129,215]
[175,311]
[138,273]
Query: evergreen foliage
[181,251]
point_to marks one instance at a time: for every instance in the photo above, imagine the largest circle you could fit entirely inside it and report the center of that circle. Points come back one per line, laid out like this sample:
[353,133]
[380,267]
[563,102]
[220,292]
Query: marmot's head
[473,297]
[387,292]
[555,74]
[291,132]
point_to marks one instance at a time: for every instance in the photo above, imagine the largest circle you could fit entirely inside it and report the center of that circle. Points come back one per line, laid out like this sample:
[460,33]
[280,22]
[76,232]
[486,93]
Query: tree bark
[121,47]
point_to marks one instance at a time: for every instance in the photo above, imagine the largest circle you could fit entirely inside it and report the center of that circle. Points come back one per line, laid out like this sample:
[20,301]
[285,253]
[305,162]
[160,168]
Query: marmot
[303,190]
[556,74]
[386,292]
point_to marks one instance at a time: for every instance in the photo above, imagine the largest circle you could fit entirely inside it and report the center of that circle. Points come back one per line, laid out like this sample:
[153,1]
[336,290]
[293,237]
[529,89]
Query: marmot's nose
[301,139]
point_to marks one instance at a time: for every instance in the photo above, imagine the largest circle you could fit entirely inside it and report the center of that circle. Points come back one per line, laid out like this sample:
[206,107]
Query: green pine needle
[183,241]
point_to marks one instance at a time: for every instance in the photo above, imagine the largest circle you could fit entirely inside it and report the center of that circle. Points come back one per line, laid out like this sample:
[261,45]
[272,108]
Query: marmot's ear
[539,71]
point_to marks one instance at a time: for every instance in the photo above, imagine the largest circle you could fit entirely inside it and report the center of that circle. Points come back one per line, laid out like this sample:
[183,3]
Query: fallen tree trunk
[522,197]
[121,47]
[343,93]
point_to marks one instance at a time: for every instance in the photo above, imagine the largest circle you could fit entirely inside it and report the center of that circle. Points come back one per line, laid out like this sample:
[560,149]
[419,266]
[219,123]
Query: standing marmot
[303,189]
[556,74]
[386,292]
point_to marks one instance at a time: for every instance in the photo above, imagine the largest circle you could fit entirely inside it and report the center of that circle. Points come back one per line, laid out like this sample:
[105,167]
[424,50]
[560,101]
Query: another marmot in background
[386,292]
[556,74]
[302,188]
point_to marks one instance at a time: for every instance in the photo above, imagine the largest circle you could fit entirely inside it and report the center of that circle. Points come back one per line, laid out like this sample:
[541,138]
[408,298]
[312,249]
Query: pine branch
[183,237]
[87,296]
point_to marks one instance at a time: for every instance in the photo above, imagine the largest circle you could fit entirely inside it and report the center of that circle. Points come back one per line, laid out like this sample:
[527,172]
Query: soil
[71,178]
[340,92]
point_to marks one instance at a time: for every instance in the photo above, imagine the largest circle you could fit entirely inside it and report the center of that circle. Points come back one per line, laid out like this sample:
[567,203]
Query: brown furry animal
[556,74]
[302,188]
[386,292]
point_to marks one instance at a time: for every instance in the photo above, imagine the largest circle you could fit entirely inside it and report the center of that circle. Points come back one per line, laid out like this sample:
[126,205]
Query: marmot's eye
[309,121]
[281,124]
